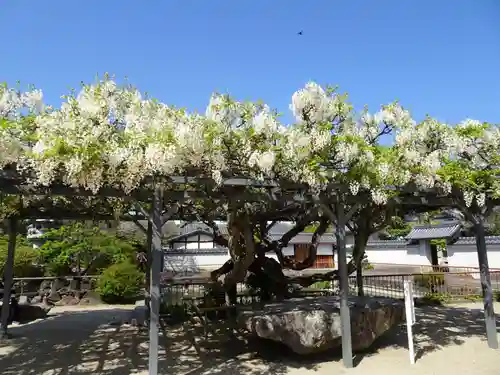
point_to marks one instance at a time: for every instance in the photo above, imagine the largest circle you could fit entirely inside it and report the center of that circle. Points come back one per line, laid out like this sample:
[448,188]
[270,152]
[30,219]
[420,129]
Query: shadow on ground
[436,328]
[90,343]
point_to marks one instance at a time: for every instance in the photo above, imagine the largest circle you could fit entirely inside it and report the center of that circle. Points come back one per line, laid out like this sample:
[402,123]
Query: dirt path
[92,341]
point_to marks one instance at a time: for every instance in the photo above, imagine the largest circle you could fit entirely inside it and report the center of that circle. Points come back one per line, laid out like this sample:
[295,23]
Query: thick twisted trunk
[242,251]
[241,248]
[358,253]
[359,279]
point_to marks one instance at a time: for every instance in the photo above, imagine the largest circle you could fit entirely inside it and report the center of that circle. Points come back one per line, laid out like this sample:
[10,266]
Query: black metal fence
[445,286]
[451,286]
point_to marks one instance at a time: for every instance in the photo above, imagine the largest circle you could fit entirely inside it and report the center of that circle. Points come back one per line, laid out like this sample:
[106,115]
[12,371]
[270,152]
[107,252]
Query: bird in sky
[300,32]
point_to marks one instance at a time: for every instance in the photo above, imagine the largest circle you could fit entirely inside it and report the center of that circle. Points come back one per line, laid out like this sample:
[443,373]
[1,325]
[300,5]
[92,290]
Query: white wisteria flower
[112,135]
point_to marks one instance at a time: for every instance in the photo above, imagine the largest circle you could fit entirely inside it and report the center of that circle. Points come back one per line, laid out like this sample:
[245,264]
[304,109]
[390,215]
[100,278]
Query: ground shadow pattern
[94,343]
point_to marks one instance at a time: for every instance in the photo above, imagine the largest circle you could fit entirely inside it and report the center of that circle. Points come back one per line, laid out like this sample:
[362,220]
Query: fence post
[410,317]
[412,295]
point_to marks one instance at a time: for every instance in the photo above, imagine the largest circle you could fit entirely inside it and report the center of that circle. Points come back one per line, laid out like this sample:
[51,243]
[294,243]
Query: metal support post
[489,312]
[8,276]
[154,289]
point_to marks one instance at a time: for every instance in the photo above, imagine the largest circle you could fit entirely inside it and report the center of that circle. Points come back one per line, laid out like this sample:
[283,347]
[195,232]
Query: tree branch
[219,238]
[313,248]
[277,246]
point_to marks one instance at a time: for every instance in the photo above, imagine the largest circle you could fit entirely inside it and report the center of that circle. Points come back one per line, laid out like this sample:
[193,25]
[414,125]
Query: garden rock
[23,300]
[36,299]
[90,298]
[45,287]
[311,325]
[27,312]
[54,297]
[67,301]
[57,284]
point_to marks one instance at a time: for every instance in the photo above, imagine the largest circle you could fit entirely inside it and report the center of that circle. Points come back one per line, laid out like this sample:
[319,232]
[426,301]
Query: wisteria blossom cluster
[16,108]
[111,135]
[473,165]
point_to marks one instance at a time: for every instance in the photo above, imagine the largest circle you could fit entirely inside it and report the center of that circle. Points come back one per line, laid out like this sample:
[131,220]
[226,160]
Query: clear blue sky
[437,57]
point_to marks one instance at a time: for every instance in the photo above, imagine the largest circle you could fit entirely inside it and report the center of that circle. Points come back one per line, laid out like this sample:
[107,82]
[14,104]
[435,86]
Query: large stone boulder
[312,324]
[27,313]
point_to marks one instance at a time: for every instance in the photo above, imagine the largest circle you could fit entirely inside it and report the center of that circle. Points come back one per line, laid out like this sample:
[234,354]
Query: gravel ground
[93,340]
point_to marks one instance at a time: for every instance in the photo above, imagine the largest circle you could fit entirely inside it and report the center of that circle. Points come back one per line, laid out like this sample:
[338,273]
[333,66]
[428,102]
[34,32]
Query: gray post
[8,276]
[489,313]
[149,240]
[154,288]
[345,316]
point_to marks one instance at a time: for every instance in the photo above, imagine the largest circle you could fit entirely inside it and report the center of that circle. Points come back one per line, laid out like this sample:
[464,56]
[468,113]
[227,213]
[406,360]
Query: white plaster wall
[193,262]
[197,262]
[466,256]
[183,246]
[323,249]
[289,251]
[272,255]
[206,242]
[401,255]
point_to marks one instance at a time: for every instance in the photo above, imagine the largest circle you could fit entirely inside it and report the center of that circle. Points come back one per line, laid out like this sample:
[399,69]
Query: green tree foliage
[494,224]
[397,228]
[312,228]
[25,259]
[78,248]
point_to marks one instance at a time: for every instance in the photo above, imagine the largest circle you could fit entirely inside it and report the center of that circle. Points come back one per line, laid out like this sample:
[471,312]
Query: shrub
[120,283]
[321,285]
[434,299]
[430,280]
[476,297]
[25,258]
[367,266]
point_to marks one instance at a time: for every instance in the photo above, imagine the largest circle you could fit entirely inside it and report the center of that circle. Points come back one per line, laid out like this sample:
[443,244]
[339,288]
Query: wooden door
[301,252]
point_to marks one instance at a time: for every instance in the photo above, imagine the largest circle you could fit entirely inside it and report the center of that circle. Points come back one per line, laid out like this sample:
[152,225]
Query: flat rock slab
[27,313]
[312,324]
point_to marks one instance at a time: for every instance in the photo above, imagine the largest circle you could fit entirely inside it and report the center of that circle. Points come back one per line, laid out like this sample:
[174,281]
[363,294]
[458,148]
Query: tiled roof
[387,243]
[490,240]
[428,232]
[280,228]
[208,251]
[304,238]
[276,232]
[194,227]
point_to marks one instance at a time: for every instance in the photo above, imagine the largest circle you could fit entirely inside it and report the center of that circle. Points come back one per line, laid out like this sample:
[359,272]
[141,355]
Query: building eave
[439,231]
